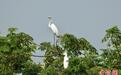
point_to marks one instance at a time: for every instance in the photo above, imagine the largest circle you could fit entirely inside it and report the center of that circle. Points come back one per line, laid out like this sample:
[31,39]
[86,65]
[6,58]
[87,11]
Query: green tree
[113,37]
[53,58]
[112,54]
[15,50]
[31,68]
[75,48]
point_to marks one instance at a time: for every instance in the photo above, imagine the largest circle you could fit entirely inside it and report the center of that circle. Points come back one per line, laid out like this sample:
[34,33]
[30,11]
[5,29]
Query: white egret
[18,73]
[54,29]
[66,60]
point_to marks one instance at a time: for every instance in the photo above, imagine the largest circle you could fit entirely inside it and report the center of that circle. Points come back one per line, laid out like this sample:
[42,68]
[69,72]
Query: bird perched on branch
[53,27]
[66,60]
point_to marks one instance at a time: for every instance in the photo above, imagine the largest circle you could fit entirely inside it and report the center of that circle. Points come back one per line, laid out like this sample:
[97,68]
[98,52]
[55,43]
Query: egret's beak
[49,17]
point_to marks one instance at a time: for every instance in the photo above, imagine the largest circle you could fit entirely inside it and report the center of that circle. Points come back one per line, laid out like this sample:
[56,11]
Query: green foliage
[69,42]
[85,45]
[16,50]
[31,68]
[112,54]
[94,70]
[50,70]
[76,67]
[113,36]
[5,70]
[74,46]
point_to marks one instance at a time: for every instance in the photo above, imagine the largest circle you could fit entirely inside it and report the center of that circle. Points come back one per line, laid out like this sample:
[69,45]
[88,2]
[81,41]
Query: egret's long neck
[50,22]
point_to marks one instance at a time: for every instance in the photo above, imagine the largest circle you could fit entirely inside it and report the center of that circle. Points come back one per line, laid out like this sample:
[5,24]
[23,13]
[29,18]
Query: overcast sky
[83,18]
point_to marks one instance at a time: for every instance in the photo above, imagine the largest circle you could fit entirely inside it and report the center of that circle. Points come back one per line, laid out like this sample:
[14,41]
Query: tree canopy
[16,49]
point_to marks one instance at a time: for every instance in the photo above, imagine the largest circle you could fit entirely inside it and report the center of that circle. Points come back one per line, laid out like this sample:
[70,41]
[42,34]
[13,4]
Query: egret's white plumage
[18,73]
[66,60]
[53,27]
